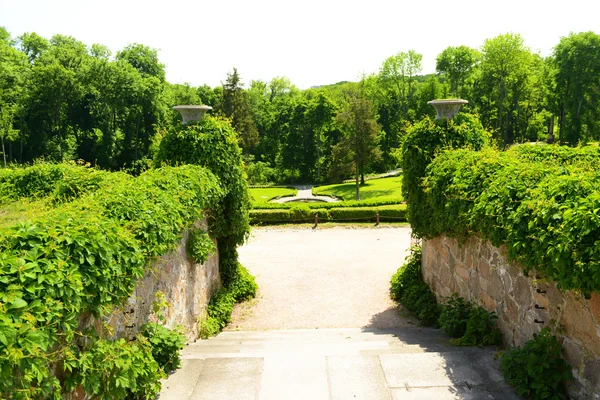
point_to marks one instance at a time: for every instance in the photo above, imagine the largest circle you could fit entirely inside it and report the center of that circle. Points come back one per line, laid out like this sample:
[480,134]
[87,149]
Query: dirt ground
[324,278]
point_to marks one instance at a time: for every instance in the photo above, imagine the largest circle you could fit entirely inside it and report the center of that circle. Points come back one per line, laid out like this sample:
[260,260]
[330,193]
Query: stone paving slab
[429,369]
[229,378]
[294,377]
[443,393]
[180,384]
[357,377]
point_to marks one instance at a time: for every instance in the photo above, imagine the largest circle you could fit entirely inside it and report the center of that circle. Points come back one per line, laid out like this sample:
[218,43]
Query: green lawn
[381,189]
[263,195]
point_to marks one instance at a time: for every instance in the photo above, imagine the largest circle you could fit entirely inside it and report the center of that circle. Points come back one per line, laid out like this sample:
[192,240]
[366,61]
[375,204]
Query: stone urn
[192,112]
[446,109]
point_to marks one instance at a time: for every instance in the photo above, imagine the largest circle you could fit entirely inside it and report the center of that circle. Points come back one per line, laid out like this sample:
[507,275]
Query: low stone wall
[480,273]
[187,287]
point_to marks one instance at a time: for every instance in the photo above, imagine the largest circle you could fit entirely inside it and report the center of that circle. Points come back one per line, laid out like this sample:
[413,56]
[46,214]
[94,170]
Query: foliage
[481,329]
[373,202]
[260,173]
[212,143]
[221,304]
[357,121]
[537,370]
[454,314]
[424,141]
[541,202]
[166,345]
[382,189]
[118,370]
[304,213]
[200,246]
[409,289]
[84,257]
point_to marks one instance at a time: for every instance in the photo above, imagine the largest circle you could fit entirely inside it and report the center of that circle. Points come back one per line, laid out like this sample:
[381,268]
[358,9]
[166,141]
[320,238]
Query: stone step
[448,375]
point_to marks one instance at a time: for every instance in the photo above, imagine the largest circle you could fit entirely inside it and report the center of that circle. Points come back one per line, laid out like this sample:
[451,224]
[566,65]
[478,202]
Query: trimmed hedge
[299,214]
[327,206]
[542,202]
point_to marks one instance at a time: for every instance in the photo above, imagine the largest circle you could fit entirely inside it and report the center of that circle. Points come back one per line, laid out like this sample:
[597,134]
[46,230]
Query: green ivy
[537,370]
[114,370]
[85,257]
[424,141]
[200,246]
[166,345]
[542,202]
[481,329]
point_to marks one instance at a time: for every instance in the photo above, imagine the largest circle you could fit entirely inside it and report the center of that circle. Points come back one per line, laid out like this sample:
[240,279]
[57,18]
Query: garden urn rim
[447,108]
[192,112]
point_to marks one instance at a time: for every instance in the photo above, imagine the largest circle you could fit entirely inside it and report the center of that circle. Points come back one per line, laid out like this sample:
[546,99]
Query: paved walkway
[323,327]
[305,194]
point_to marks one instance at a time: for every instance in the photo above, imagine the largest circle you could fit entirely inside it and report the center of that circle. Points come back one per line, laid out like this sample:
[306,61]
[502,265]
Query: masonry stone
[482,273]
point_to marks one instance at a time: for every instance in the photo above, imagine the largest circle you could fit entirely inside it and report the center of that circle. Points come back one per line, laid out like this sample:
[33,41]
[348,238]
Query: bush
[118,369]
[221,304]
[200,246]
[541,202]
[537,370]
[408,287]
[423,142]
[481,329]
[166,345]
[455,312]
[340,204]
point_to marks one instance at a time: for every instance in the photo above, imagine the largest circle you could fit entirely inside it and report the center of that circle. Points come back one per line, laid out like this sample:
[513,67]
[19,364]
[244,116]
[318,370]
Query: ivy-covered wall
[481,273]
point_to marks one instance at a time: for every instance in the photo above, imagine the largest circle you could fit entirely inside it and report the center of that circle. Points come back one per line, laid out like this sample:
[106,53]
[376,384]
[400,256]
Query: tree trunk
[357,183]
[57,123]
[3,151]
[362,175]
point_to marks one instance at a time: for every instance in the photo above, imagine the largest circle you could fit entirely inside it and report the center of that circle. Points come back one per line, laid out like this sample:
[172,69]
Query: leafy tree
[457,64]
[577,75]
[358,122]
[502,83]
[236,106]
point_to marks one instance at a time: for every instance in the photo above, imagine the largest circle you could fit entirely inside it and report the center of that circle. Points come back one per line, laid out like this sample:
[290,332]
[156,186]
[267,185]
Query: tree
[577,75]
[236,106]
[359,124]
[502,84]
[457,64]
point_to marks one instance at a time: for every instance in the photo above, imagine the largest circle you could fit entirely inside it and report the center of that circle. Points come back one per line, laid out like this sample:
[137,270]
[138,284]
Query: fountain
[192,112]
[446,109]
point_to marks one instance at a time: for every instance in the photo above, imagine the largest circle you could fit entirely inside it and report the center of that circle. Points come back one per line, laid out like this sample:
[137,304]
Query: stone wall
[187,286]
[480,273]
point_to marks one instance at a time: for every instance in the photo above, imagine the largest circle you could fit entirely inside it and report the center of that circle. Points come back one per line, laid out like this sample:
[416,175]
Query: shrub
[454,314]
[200,246]
[481,329]
[408,287]
[423,142]
[221,304]
[166,345]
[119,369]
[537,370]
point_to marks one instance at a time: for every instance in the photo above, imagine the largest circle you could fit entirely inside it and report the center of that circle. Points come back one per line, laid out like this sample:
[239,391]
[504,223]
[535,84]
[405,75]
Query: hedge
[542,202]
[327,206]
[85,257]
[60,182]
[299,214]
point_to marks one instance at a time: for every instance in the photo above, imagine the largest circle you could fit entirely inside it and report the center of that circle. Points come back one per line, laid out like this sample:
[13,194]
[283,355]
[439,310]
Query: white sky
[312,42]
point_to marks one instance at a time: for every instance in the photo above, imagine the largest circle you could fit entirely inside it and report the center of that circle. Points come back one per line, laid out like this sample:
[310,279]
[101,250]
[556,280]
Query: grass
[263,195]
[381,189]
[21,210]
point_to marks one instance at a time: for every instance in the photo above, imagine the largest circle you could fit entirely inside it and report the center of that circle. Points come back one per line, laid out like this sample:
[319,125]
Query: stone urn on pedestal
[446,109]
[191,113]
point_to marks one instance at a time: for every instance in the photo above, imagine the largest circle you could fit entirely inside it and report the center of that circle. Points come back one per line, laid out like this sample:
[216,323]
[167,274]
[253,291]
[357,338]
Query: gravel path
[325,278]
